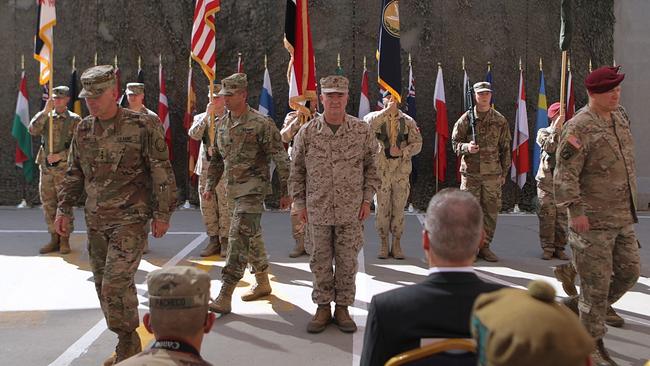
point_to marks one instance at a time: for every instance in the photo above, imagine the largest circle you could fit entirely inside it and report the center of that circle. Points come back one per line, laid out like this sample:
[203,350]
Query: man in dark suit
[440,306]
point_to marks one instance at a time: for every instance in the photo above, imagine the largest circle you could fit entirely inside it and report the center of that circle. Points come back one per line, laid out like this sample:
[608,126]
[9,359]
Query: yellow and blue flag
[388,52]
[541,121]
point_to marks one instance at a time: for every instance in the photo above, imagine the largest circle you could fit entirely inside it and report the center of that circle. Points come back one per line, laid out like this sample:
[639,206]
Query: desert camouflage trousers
[114,258]
[487,189]
[299,229]
[49,186]
[552,222]
[607,262]
[341,244]
[391,200]
[217,211]
[245,239]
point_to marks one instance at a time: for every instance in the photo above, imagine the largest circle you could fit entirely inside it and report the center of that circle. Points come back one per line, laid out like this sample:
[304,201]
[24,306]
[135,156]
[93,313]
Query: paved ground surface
[49,314]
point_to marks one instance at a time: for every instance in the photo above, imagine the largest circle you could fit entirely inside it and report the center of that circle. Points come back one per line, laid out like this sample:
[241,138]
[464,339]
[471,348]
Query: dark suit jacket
[438,307]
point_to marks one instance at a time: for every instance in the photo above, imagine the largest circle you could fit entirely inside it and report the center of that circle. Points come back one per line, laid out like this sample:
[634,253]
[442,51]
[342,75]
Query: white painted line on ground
[82,344]
[359,316]
[85,232]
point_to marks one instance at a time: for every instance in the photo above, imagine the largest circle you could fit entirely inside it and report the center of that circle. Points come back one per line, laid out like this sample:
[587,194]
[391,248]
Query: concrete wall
[632,51]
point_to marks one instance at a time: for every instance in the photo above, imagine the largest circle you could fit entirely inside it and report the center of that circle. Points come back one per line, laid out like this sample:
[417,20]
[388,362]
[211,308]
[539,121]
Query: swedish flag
[388,52]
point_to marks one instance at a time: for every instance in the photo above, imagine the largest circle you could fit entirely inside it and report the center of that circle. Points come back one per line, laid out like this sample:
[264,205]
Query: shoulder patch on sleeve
[571,139]
[160,144]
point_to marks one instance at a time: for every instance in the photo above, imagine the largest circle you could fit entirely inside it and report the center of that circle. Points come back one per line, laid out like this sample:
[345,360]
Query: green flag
[566,26]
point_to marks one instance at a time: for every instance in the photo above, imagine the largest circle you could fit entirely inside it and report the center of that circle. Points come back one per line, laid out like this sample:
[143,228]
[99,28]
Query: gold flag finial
[440,65]
[520,67]
[364,62]
[22,62]
[115,61]
[614,61]
[338,60]
[140,62]
[568,63]
[266,60]
[463,63]
[410,60]
[74,61]
[160,58]
[590,67]
[189,61]
[95,58]
[489,66]
[540,64]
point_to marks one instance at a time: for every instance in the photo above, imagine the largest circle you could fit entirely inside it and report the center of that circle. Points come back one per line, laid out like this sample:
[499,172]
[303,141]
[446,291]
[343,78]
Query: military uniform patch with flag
[571,148]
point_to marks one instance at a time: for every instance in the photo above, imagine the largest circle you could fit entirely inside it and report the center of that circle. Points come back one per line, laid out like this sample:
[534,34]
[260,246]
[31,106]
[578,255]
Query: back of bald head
[454,224]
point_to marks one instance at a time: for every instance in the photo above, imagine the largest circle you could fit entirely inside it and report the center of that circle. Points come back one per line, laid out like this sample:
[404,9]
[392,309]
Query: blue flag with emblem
[388,51]
[541,121]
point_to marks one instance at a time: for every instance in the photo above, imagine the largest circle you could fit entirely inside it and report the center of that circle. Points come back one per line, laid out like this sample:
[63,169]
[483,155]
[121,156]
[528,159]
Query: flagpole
[50,133]
[95,58]
[563,87]
[23,182]
[436,140]
[188,182]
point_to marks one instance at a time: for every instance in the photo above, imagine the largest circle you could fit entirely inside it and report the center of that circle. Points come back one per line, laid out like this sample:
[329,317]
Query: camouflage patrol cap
[518,327]
[334,84]
[134,88]
[96,80]
[233,83]
[215,91]
[60,92]
[178,287]
[482,86]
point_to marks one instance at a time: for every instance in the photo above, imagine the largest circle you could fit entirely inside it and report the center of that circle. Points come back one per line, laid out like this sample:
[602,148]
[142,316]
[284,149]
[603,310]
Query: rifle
[469,104]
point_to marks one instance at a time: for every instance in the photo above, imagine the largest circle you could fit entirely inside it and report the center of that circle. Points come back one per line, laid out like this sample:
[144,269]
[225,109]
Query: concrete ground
[49,313]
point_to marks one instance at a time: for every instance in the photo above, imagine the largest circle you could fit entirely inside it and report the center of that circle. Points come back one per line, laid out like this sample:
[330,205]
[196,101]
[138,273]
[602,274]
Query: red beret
[553,110]
[603,79]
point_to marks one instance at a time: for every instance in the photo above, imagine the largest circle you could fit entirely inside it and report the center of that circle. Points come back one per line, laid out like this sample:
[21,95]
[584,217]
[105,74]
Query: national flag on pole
[163,110]
[520,159]
[466,104]
[140,76]
[24,158]
[410,99]
[364,100]
[203,36]
[240,63]
[541,121]
[388,52]
[75,103]
[488,78]
[298,41]
[44,40]
[266,106]
[118,84]
[193,146]
[570,98]
[442,129]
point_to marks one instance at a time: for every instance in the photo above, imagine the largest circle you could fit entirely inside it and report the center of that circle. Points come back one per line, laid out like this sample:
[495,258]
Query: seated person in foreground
[440,306]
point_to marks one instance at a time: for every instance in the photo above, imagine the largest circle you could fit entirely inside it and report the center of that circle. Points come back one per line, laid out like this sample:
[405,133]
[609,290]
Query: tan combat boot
[548,254]
[487,255]
[566,274]
[321,319]
[64,245]
[261,288]
[224,247]
[343,320]
[110,361]
[612,319]
[600,356]
[299,249]
[213,247]
[383,249]
[396,249]
[222,304]
[52,245]
[560,254]
[127,345]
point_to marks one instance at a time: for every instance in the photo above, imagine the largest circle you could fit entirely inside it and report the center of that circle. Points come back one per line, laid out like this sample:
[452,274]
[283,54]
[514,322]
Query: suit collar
[452,277]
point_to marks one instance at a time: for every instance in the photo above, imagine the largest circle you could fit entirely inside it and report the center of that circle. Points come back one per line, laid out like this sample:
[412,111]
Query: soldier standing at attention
[333,179]
[486,159]
[292,124]
[246,140]
[552,221]
[399,140]
[120,158]
[595,179]
[216,213]
[52,166]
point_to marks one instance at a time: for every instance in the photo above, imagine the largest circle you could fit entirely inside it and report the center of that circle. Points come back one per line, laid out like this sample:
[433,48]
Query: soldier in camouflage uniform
[333,179]
[485,162]
[399,140]
[178,317]
[595,179]
[552,221]
[246,139]
[120,159]
[299,230]
[52,166]
[216,213]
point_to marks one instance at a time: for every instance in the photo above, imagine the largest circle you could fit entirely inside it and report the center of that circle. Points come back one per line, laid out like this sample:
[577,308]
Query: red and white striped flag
[570,98]
[364,100]
[163,110]
[203,36]
[520,155]
[442,129]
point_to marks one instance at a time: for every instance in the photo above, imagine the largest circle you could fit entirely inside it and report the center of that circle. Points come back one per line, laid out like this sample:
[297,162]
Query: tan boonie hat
[96,80]
[215,91]
[334,84]
[233,83]
[134,88]
[178,287]
[482,86]
[60,92]
[519,327]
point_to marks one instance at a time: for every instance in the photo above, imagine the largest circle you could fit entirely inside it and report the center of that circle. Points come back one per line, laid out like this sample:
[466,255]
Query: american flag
[203,36]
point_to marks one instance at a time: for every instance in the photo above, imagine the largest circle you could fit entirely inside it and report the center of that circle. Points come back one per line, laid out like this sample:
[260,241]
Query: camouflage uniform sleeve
[460,136]
[298,176]
[199,125]
[37,124]
[505,144]
[73,182]
[570,160]
[376,119]
[156,157]
[216,168]
[547,139]
[290,127]
[272,145]
[414,140]
[75,122]
[371,179]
